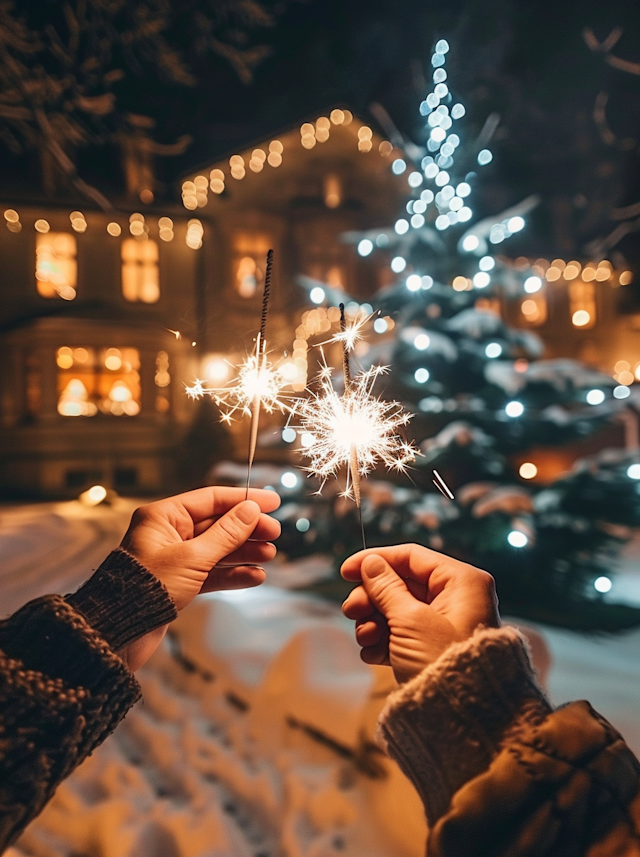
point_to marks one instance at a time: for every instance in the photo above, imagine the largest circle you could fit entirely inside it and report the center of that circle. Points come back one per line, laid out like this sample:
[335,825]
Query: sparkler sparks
[355,426]
[256,376]
[258,383]
[352,334]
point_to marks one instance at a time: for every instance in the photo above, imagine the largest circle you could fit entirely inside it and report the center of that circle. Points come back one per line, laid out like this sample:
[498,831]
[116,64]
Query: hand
[201,541]
[205,540]
[413,603]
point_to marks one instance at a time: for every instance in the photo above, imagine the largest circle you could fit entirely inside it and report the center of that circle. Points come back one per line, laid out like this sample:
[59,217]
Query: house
[105,316]
[91,390]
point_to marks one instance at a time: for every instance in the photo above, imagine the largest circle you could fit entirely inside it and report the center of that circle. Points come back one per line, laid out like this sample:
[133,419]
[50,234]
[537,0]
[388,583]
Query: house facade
[91,390]
[105,317]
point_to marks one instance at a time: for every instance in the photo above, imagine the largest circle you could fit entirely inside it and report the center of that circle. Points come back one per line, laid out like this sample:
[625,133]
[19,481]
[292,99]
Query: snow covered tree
[483,395]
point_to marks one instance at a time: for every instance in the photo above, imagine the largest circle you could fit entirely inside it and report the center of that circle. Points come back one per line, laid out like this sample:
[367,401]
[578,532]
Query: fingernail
[247,511]
[373,565]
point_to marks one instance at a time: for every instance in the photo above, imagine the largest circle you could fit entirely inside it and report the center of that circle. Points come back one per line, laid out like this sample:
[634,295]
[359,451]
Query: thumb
[387,591]
[229,532]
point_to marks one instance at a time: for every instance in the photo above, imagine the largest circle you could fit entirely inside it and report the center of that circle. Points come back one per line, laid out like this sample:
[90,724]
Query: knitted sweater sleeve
[500,773]
[63,687]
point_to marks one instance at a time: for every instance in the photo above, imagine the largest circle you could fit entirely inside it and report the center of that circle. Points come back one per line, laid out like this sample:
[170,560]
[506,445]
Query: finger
[207,502]
[251,553]
[226,535]
[377,655]
[399,556]
[267,529]
[409,561]
[370,632]
[358,605]
[387,591]
[238,577]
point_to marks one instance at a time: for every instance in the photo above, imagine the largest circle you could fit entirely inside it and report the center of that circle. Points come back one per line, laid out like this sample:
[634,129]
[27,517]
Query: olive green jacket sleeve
[500,773]
[63,687]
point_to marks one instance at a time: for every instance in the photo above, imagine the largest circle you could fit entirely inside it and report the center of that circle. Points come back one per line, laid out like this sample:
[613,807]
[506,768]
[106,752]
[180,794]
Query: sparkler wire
[261,365]
[353,455]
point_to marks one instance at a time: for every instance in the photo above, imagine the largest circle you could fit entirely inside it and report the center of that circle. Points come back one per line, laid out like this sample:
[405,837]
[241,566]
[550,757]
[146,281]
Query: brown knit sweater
[63,687]
[500,773]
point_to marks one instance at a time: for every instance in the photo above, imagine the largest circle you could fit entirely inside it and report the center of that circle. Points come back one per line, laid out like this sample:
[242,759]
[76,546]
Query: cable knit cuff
[57,651]
[446,725]
[123,601]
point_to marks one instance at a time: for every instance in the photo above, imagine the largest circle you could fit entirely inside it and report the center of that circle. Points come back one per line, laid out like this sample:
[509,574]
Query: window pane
[534,309]
[140,277]
[249,259]
[582,304]
[90,381]
[56,266]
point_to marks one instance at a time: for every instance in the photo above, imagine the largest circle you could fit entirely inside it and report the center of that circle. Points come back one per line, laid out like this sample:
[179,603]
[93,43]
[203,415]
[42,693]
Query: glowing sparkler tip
[352,334]
[256,377]
[356,426]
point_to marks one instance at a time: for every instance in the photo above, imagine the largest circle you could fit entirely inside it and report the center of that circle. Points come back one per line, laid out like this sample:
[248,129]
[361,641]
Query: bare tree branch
[605,46]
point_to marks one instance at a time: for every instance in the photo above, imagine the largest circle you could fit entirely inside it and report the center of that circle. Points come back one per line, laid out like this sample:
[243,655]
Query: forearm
[498,771]
[63,687]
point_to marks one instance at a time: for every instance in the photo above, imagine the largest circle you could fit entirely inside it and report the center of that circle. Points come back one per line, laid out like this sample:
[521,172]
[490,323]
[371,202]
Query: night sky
[526,60]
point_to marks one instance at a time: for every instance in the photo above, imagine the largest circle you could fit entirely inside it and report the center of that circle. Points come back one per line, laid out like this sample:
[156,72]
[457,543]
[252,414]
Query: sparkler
[258,383]
[356,429]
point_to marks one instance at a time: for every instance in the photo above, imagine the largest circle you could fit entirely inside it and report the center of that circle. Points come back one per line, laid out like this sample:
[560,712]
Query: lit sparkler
[356,429]
[350,335]
[259,383]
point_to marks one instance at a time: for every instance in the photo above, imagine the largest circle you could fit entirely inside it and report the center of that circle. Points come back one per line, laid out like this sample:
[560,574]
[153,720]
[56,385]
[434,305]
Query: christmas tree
[482,395]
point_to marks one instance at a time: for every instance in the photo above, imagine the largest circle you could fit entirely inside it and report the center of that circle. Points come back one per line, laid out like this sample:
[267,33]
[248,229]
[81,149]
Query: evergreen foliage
[483,396]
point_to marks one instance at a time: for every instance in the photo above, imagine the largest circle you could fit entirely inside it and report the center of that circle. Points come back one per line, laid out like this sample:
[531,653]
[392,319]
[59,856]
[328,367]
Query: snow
[51,547]
[476,323]
[256,736]
[256,733]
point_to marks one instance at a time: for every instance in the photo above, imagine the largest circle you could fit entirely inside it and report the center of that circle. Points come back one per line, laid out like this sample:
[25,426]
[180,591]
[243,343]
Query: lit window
[92,381]
[162,380]
[534,309]
[250,254]
[332,275]
[140,277]
[582,304]
[56,265]
[247,277]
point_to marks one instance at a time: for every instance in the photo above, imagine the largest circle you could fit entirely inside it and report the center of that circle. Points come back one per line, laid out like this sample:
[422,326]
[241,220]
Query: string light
[78,222]
[195,231]
[528,470]
[165,228]
[216,181]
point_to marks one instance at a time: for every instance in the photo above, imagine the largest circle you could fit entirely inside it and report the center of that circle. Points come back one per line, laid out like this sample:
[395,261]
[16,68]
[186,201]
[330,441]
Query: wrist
[446,725]
[123,601]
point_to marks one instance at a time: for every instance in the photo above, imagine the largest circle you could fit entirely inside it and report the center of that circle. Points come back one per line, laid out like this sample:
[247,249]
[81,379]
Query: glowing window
[332,275]
[92,381]
[250,253]
[534,309]
[140,276]
[582,304]
[56,265]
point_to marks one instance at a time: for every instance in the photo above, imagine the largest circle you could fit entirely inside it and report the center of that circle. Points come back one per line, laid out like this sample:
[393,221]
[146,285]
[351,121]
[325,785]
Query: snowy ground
[255,738]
